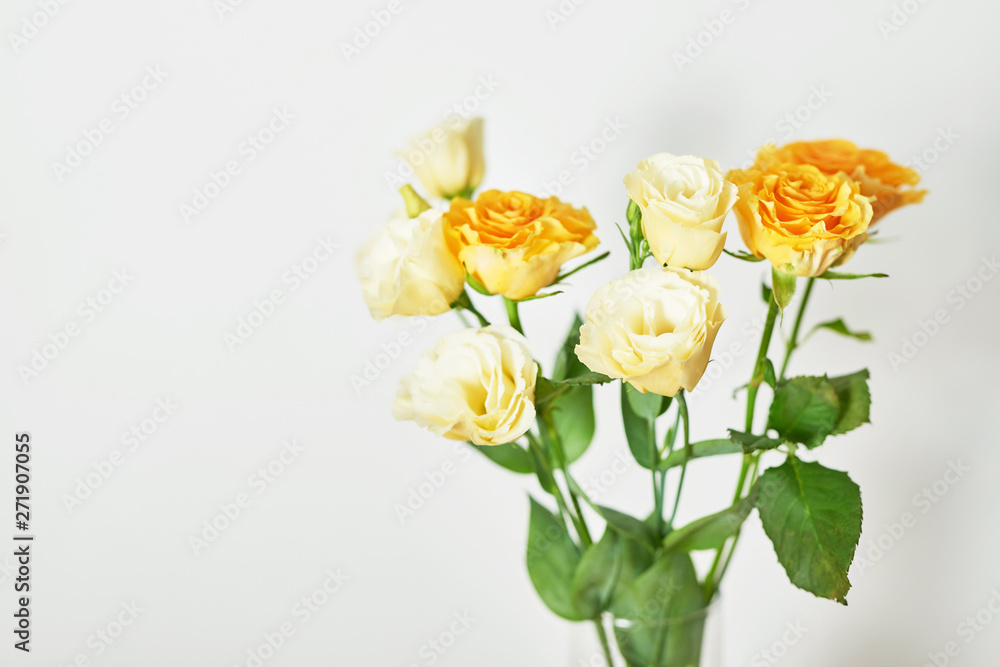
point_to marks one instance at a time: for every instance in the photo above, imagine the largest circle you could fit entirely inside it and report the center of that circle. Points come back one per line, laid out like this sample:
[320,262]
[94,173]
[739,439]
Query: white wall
[323,176]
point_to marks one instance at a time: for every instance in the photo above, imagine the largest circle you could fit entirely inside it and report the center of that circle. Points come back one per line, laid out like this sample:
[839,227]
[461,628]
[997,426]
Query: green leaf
[711,532]
[744,255]
[597,574]
[700,450]
[855,401]
[628,526]
[765,293]
[804,410]
[639,413]
[586,378]
[476,285]
[784,287]
[544,475]
[511,456]
[753,443]
[546,393]
[839,326]
[566,275]
[667,590]
[833,275]
[812,515]
[552,561]
[572,411]
[539,296]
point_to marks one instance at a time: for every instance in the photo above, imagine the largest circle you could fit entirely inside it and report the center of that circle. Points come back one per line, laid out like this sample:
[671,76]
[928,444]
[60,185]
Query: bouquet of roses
[806,208]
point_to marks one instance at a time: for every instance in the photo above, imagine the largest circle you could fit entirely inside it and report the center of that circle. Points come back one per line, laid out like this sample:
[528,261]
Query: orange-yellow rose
[889,185]
[803,220]
[514,243]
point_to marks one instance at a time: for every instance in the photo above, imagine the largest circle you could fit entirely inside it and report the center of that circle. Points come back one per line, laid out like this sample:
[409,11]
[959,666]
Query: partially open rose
[803,220]
[653,328]
[887,183]
[514,243]
[476,384]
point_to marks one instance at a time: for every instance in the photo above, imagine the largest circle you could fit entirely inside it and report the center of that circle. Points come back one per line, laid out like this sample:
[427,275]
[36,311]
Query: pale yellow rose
[887,184]
[407,268]
[684,201]
[514,243]
[448,159]
[476,384]
[803,220]
[653,328]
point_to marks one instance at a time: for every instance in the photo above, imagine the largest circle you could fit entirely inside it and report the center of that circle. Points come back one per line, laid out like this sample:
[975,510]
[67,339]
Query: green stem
[564,512]
[654,458]
[603,636]
[513,315]
[711,581]
[758,368]
[551,438]
[683,412]
[465,302]
[793,342]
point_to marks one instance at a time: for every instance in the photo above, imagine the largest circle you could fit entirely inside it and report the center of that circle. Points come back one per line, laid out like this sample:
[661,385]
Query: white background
[333,507]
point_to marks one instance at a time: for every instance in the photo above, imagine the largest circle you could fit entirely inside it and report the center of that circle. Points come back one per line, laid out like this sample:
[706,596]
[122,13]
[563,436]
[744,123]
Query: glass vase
[693,640]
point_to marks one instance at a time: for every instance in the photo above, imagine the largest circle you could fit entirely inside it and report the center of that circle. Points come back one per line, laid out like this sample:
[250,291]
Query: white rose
[407,268]
[684,201]
[448,159]
[653,328]
[476,384]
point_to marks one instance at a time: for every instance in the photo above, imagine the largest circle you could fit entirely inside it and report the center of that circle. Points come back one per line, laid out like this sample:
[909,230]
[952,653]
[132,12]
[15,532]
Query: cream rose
[407,268]
[684,201]
[448,159]
[653,329]
[476,384]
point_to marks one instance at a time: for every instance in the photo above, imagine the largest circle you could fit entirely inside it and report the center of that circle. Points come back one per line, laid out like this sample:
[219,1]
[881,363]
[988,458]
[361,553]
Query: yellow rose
[801,219]
[476,384]
[653,328]
[514,243]
[448,159]
[889,185]
[407,268]
[684,201]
